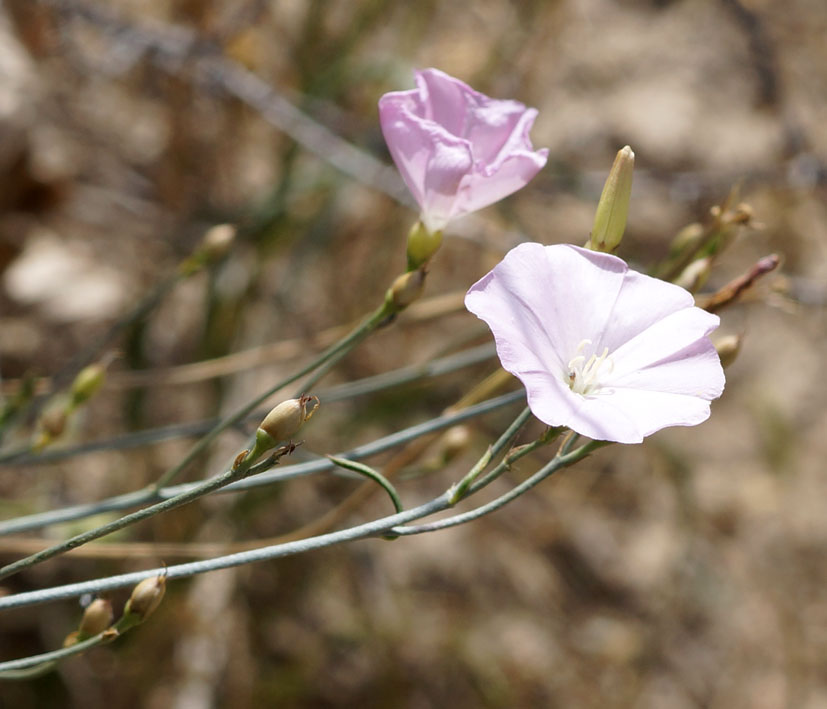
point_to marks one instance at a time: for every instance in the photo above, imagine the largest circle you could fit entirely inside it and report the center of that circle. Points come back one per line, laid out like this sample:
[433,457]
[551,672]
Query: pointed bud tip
[285,419]
[87,383]
[613,207]
[146,597]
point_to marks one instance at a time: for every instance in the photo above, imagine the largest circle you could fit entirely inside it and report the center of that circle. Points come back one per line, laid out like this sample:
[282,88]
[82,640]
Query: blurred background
[686,572]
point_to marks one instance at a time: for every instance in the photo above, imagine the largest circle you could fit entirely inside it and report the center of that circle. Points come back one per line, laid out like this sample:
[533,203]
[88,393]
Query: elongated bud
[422,244]
[87,383]
[406,288]
[695,274]
[53,422]
[613,208]
[146,597]
[728,348]
[687,239]
[97,617]
[283,422]
[455,441]
[217,241]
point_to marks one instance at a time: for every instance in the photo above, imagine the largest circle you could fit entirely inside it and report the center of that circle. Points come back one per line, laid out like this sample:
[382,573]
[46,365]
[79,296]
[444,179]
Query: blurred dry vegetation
[687,572]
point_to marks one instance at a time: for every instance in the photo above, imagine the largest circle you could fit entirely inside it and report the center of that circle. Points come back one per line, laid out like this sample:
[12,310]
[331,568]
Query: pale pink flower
[608,352]
[457,149]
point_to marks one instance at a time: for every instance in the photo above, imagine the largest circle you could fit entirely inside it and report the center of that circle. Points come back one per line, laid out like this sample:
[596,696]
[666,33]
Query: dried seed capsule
[146,596]
[97,617]
[406,288]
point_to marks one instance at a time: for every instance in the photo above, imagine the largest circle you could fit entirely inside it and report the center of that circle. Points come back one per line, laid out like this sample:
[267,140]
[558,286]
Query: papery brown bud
[285,420]
[97,617]
[406,288]
[728,348]
[53,422]
[146,596]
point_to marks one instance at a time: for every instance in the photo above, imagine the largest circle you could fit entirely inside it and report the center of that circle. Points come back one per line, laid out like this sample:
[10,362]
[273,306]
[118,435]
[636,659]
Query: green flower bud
[687,239]
[613,208]
[422,244]
[87,383]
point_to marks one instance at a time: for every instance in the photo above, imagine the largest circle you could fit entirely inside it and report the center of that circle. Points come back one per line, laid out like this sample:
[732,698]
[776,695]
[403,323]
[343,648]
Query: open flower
[457,149]
[608,352]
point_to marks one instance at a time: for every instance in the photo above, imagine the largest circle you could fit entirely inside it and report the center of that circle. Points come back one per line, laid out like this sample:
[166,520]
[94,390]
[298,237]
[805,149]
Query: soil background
[686,572]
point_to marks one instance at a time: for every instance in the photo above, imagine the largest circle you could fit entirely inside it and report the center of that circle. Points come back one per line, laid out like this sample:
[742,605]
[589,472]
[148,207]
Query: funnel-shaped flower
[457,149]
[608,352]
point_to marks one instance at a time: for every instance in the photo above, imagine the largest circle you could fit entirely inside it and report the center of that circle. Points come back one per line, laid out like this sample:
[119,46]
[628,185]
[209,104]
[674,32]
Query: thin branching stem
[331,355]
[200,490]
[557,463]
[101,585]
[141,497]
[340,392]
[391,524]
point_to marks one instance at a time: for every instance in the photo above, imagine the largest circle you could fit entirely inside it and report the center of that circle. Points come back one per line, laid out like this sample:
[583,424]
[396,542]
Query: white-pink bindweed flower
[608,352]
[457,149]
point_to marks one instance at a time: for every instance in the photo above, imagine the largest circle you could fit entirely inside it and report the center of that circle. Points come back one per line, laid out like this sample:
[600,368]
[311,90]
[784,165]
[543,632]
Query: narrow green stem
[505,464]
[460,490]
[145,496]
[379,527]
[374,475]
[557,463]
[36,665]
[62,378]
[330,356]
[242,470]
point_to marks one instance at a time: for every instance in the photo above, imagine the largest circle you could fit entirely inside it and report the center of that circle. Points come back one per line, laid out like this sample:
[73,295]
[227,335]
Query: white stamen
[583,375]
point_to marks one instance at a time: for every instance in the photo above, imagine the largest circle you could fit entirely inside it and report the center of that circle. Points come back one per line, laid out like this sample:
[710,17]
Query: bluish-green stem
[461,488]
[244,468]
[557,463]
[348,390]
[372,474]
[36,665]
[140,497]
[379,527]
[330,356]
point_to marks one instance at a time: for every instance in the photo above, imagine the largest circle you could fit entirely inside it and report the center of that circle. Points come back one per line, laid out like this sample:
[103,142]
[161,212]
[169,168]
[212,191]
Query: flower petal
[431,161]
[457,149]
[527,302]
[542,302]
[642,302]
[672,355]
